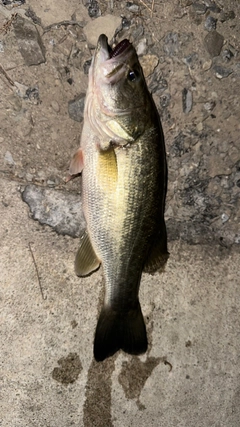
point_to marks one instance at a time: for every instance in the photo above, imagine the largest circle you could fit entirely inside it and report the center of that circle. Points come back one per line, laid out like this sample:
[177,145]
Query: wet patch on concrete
[134,375]
[98,395]
[97,406]
[69,370]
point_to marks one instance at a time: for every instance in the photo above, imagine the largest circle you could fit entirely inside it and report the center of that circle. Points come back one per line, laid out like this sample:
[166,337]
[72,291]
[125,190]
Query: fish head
[118,98]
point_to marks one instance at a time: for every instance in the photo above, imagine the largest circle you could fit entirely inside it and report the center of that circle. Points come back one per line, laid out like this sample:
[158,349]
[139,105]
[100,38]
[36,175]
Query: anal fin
[158,253]
[86,260]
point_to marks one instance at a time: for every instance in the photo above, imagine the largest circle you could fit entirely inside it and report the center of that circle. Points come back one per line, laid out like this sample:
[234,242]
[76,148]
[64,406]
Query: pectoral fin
[86,260]
[158,253]
[77,163]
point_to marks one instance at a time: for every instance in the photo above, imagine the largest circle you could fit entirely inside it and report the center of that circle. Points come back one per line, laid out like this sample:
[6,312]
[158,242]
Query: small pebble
[238,166]
[213,43]
[187,100]
[237,238]
[171,44]
[191,60]
[132,7]
[15,102]
[217,166]
[32,93]
[207,65]
[158,84]
[234,154]
[8,158]
[55,106]
[199,8]
[210,23]
[227,55]
[86,66]
[149,63]
[142,47]
[210,105]
[40,176]
[224,218]
[211,5]
[76,107]
[224,147]
[221,72]
[52,181]
[29,41]
[179,12]
[165,100]
[137,32]
[126,23]
[29,177]
[226,16]
[94,9]
[21,89]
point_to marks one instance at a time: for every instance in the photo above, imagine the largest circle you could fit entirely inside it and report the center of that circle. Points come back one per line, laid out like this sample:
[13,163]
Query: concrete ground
[190,375]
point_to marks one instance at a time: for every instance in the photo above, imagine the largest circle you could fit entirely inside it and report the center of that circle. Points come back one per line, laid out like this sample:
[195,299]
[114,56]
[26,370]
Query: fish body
[124,179]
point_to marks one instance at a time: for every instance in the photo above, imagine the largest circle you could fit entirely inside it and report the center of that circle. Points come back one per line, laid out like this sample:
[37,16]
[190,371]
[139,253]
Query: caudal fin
[120,330]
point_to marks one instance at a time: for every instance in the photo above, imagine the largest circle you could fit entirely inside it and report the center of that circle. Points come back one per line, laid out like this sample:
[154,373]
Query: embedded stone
[213,43]
[29,41]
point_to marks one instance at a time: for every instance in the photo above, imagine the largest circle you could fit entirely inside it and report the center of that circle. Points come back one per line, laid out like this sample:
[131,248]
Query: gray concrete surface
[190,376]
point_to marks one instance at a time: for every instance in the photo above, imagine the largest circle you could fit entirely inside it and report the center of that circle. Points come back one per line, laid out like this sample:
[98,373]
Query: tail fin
[120,330]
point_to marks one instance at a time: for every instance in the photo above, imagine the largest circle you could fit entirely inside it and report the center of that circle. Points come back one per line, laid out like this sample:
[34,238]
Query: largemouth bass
[124,180]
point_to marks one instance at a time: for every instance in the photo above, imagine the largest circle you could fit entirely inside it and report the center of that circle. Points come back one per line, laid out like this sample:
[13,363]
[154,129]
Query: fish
[122,160]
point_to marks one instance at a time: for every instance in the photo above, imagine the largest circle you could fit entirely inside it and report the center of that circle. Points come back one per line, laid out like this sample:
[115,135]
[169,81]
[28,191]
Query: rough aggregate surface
[190,54]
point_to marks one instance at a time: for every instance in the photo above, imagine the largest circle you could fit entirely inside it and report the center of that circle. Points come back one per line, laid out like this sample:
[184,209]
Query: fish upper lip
[103,44]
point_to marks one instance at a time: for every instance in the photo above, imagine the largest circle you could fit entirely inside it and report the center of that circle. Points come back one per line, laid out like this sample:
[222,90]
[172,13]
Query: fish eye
[133,75]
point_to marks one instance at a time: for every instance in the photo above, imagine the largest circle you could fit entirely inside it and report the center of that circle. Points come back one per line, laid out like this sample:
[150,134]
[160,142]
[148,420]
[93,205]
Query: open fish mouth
[120,48]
